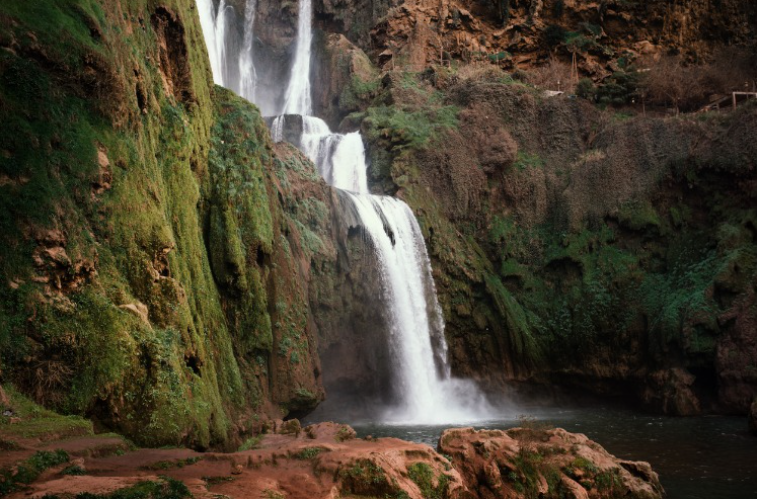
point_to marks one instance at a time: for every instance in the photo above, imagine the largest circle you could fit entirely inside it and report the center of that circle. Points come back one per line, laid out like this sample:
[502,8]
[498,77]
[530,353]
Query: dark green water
[709,457]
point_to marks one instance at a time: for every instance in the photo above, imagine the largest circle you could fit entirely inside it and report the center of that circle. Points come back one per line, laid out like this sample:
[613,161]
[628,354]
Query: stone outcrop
[319,461]
[531,462]
[345,80]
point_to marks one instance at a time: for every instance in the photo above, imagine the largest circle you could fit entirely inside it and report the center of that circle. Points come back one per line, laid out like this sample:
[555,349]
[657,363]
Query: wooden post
[734,100]
[574,68]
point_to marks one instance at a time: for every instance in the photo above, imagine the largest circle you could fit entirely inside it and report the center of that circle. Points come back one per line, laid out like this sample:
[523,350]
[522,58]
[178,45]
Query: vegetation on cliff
[151,277]
[610,249]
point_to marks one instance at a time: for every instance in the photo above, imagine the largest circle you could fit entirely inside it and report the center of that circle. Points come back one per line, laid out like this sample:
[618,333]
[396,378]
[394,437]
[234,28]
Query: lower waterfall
[426,391]
[429,394]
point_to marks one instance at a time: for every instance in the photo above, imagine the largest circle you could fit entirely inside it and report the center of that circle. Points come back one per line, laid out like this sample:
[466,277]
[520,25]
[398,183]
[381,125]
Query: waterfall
[247,74]
[428,392]
[231,57]
[298,99]
[213,39]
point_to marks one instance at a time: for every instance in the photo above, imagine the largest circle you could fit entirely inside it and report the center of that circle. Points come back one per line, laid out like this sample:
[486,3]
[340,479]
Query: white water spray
[247,75]
[208,21]
[429,394]
[298,99]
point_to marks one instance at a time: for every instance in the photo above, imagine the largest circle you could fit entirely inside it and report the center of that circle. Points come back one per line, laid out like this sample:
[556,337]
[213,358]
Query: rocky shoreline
[327,460]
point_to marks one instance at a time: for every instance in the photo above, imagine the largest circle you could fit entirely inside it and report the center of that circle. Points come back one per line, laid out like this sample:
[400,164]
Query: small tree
[585,89]
[669,81]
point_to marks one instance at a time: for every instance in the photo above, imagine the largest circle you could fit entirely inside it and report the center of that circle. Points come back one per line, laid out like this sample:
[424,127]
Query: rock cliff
[578,246]
[158,250]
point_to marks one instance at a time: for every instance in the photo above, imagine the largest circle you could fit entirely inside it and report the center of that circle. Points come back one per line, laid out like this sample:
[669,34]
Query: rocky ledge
[327,460]
[541,462]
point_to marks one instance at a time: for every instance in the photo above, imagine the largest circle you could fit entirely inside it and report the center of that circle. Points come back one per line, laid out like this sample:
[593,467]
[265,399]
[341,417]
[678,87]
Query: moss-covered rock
[154,266]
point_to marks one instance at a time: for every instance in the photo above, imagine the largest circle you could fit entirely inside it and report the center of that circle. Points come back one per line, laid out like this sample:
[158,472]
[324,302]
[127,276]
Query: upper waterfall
[247,74]
[297,98]
[213,39]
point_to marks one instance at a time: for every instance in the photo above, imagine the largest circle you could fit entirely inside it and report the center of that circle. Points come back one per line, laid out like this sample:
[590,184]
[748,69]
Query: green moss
[639,216]
[527,472]
[28,471]
[366,478]
[409,129]
[37,422]
[522,342]
[63,114]
[165,488]
[74,470]
[610,484]
[358,92]
[525,161]
[431,486]
[308,453]
[251,443]
[167,465]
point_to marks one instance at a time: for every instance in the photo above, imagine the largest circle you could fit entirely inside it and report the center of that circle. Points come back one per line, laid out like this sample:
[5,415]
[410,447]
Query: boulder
[752,418]
[541,462]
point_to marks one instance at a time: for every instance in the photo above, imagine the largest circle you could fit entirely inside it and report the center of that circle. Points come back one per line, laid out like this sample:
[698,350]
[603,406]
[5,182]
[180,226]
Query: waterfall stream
[428,392]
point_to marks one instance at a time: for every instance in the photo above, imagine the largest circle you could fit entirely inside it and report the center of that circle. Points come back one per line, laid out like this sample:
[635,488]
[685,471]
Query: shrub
[555,35]
[308,453]
[622,87]
[585,89]
[29,470]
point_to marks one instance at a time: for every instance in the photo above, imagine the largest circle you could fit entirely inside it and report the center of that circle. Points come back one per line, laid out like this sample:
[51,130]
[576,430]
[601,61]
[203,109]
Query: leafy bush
[622,87]
[410,129]
[308,453]
[585,89]
[166,488]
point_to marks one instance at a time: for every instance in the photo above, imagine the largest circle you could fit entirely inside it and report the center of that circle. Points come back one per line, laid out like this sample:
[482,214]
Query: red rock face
[415,33]
[324,460]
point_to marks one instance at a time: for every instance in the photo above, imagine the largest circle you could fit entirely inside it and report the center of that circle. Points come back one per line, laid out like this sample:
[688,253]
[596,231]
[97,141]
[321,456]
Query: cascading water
[231,58]
[427,391]
[247,74]
[298,99]
[429,394]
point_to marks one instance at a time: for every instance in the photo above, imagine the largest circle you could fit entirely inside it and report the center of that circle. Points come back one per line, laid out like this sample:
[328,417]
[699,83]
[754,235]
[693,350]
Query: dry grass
[554,75]
[450,167]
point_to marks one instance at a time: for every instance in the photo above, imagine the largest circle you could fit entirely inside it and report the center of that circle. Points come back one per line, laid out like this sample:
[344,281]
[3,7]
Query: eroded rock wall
[606,254]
